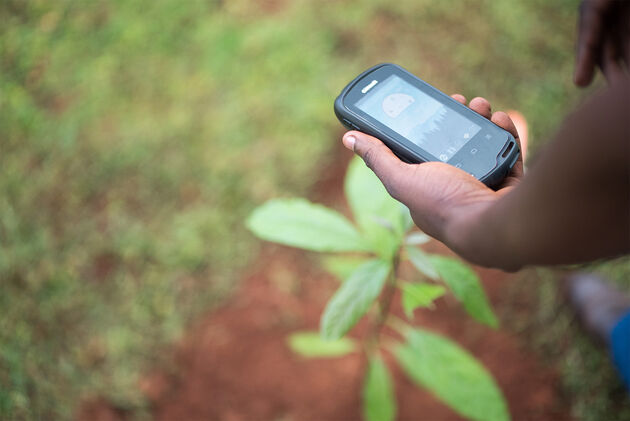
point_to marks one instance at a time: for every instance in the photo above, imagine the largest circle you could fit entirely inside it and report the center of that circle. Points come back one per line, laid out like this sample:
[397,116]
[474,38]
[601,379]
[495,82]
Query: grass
[134,138]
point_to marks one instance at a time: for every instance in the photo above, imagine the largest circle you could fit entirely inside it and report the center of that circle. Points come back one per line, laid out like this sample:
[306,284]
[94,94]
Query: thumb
[392,172]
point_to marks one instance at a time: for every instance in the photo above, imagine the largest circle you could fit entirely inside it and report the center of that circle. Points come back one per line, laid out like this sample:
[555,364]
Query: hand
[444,201]
[603,40]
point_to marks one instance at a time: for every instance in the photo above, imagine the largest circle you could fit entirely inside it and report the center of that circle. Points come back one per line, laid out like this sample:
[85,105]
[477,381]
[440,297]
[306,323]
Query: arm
[572,206]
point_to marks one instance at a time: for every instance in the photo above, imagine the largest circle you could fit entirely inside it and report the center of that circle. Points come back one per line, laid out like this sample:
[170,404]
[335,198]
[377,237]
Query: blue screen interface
[418,117]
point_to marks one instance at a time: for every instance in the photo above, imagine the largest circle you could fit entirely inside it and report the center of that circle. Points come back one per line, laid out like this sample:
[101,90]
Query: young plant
[374,249]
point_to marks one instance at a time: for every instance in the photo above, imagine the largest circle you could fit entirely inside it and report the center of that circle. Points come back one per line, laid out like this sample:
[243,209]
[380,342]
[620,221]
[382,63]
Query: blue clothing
[620,348]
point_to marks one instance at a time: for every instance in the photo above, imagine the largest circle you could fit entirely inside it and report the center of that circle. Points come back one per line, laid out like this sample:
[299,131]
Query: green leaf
[299,223]
[419,295]
[417,238]
[311,344]
[464,283]
[379,402]
[353,298]
[341,266]
[379,216]
[453,375]
[420,260]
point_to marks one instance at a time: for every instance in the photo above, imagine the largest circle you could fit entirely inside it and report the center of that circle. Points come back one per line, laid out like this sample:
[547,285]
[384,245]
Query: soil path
[234,364]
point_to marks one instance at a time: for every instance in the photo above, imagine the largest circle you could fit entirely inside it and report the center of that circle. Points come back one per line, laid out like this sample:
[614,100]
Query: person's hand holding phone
[444,201]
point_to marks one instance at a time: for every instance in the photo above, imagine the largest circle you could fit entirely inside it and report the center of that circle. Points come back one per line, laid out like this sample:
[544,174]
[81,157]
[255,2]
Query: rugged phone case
[505,161]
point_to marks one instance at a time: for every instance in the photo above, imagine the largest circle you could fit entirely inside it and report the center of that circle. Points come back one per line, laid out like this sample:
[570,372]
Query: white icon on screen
[443,157]
[395,104]
[466,135]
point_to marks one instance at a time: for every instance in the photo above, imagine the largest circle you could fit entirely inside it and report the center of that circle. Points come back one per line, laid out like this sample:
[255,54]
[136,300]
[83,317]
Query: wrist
[462,234]
[477,235]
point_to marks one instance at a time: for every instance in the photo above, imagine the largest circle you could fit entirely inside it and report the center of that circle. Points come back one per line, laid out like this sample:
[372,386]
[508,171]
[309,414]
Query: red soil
[235,365]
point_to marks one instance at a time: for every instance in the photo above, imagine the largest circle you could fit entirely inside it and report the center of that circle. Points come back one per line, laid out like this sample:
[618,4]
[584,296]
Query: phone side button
[350,124]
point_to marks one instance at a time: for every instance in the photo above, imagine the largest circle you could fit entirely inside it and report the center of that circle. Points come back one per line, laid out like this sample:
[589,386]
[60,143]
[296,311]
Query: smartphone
[420,124]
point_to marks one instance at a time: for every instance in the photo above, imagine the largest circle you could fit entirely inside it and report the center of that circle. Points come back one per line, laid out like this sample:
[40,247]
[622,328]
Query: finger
[589,42]
[392,172]
[459,98]
[504,121]
[521,127]
[481,106]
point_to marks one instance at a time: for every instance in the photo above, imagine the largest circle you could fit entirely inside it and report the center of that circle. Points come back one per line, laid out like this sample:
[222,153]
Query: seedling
[372,250]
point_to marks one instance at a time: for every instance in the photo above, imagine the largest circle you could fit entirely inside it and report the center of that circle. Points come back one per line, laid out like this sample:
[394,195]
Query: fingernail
[349,142]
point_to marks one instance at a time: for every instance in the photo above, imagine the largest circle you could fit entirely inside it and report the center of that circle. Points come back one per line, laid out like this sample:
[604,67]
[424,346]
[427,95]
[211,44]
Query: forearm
[572,206]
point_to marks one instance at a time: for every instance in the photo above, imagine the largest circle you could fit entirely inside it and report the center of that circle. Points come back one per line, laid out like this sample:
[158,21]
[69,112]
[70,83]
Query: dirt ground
[234,364]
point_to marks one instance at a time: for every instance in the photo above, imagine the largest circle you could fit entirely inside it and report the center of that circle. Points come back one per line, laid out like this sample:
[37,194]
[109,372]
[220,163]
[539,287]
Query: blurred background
[135,137]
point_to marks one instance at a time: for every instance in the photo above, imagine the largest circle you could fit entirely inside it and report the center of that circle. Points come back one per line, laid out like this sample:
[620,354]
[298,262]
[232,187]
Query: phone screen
[418,117]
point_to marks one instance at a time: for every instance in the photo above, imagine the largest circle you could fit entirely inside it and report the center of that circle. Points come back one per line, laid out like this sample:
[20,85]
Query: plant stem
[398,324]
[384,305]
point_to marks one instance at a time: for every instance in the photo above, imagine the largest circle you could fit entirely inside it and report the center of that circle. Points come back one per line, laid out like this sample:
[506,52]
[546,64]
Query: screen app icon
[395,104]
